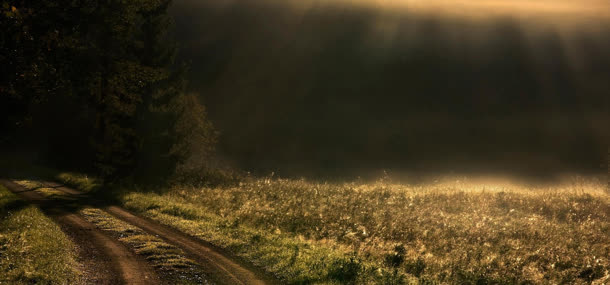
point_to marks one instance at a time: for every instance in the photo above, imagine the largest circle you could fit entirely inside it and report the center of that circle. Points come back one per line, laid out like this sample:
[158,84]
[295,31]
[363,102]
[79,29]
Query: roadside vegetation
[450,231]
[33,249]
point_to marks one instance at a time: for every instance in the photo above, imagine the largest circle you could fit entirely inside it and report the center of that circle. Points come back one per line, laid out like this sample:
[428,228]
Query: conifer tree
[107,68]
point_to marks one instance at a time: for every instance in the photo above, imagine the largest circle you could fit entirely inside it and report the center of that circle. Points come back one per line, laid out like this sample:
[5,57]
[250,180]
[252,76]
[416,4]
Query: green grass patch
[33,249]
[82,182]
[176,268]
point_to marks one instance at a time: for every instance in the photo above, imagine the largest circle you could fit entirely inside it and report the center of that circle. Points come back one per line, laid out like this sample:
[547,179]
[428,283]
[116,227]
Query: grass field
[452,231]
[33,249]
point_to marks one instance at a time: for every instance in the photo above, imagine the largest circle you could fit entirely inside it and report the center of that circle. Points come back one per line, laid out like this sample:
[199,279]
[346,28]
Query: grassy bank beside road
[33,249]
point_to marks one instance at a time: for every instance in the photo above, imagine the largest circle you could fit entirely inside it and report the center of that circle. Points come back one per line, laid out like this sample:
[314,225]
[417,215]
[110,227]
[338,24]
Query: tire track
[220,267]
[105,260]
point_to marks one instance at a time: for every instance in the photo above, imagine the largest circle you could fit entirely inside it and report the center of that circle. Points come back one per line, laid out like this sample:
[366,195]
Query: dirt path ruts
[104,259]
[219,266]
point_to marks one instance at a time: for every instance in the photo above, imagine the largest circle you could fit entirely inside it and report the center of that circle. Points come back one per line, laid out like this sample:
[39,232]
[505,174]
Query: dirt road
[104,259]
[109,262]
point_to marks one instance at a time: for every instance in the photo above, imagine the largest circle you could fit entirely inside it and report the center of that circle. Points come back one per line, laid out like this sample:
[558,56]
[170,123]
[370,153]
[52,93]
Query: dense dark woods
[316,88]
[94,85]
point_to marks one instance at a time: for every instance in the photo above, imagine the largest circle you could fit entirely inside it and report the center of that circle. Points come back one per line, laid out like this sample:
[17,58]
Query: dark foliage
[94,84]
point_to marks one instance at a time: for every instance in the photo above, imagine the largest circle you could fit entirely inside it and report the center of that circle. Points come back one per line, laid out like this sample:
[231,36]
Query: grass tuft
[83,182]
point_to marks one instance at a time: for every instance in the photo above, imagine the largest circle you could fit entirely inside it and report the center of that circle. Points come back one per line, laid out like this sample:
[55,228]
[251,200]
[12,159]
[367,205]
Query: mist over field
[345,87]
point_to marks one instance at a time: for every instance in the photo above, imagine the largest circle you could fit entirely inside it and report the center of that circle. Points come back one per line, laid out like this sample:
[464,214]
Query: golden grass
[449,231]
[29,184]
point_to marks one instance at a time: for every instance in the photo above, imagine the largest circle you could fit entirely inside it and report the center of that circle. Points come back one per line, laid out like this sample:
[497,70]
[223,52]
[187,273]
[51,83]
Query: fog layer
[331,87]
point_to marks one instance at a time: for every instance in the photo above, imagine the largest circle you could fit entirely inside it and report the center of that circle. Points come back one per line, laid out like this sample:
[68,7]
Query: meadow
[451,231]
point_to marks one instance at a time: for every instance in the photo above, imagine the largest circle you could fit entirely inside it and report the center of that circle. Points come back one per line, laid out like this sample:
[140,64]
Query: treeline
[94,85]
